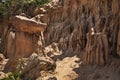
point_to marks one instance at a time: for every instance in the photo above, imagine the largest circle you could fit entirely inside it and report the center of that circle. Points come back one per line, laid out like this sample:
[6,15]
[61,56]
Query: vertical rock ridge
[70,26]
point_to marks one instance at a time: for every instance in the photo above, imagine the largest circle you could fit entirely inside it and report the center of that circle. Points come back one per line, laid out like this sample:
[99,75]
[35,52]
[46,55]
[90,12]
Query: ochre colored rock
[118,45]
[10,44]
[24,24]
[96,49]
[22,40]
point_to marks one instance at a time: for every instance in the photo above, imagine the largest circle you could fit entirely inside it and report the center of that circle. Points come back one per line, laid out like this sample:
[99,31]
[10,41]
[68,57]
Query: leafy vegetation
[17,75]
[13,76]
[12,7]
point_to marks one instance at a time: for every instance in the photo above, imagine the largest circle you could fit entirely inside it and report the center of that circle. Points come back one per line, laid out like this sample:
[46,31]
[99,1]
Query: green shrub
[40,2]
[11,7]
[13,76]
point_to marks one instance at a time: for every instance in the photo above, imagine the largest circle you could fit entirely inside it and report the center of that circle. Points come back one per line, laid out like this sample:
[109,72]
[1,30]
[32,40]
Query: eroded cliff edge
[88,27]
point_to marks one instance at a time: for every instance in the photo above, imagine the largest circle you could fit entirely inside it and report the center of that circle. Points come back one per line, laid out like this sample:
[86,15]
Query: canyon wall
[88,27]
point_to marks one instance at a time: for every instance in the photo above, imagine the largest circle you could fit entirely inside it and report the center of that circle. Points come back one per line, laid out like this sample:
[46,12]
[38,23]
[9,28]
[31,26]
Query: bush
[40,2]
[11,7]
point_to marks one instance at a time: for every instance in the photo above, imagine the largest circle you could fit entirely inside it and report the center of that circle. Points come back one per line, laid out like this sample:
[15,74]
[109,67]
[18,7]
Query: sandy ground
[70,68]
[64,70]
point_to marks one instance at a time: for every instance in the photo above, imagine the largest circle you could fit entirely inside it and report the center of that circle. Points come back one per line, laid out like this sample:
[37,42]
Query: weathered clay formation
[88,27]
[22,39]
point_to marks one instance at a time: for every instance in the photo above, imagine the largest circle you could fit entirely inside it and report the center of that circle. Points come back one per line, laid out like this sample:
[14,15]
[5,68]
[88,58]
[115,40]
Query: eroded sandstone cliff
[88,29]
[91,27]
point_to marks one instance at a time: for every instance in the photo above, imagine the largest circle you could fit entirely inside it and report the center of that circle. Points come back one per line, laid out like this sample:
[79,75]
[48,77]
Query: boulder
[3,62]
[36,65]
[2,57]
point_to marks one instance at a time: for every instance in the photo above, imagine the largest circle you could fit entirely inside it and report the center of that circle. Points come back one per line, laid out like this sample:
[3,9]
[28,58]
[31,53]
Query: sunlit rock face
[22,39]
